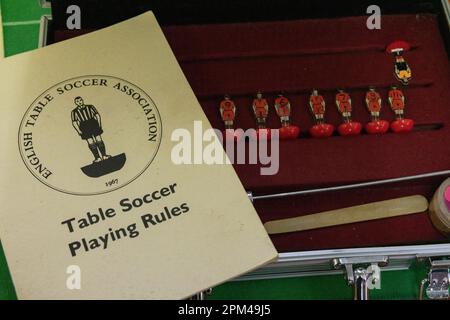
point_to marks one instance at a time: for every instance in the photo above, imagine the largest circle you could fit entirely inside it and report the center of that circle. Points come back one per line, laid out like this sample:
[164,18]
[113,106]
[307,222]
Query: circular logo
[90,135]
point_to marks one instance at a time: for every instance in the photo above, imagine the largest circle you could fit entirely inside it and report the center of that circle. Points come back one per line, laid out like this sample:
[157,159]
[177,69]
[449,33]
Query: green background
[21,31]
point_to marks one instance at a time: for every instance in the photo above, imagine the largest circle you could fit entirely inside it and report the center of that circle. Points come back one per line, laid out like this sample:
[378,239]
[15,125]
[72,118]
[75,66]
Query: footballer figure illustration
[88,124]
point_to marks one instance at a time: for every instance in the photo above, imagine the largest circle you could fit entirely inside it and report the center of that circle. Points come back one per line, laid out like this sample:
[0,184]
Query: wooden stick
[370,211]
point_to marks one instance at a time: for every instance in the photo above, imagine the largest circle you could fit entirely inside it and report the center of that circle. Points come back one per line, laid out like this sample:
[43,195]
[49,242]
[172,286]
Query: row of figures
[317,106]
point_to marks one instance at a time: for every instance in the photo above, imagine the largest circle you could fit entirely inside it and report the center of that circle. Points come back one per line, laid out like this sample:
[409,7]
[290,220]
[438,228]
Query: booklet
[94,205]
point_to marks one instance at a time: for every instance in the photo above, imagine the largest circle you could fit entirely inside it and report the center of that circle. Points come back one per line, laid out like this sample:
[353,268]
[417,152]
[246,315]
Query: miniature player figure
[283,109]
[397,102]
[402,71]
[228,112]
[317,108]
[374,103]
[344,106]
[261,110]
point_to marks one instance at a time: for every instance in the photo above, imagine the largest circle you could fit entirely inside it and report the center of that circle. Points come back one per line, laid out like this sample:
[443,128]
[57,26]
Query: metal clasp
[201,295]
[438,278]
[362,273]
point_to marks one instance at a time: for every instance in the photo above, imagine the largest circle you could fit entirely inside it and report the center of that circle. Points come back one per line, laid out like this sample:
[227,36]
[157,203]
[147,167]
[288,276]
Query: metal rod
[361,289]
[350,186]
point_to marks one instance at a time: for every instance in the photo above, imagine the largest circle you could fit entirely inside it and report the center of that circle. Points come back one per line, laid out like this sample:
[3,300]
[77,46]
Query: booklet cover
[93,205]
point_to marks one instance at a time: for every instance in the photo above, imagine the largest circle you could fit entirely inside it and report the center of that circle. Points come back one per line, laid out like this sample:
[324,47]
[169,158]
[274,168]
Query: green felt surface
[21,24]
[6,285]
[21,10]
[20,38]
[21,32]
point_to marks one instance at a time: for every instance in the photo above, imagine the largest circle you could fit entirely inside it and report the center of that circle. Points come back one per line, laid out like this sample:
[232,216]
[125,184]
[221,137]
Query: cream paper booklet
[93,207]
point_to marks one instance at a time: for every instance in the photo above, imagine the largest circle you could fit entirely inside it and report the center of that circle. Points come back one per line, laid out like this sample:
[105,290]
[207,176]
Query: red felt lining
[297,73]
[296,56]
[274,52]
[411,229]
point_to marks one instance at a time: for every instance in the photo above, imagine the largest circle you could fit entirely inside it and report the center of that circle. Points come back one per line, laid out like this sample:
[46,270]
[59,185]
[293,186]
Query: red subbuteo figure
[317,108]
[374,103]
[344,106]
[283,109]
[227,110]
[402,71]
[397,102]
[260,109]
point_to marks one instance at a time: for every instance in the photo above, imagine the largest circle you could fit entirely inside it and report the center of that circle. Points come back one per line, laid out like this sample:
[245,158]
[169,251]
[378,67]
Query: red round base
[377,127]
[398,44]
[232,134]
[289,132]
[350,129]
[402,125]
[323,130]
